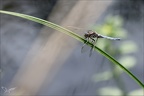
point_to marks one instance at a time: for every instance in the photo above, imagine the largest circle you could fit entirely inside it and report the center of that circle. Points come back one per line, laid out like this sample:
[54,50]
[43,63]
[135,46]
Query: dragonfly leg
[91,50]
[87,39]
[94,43]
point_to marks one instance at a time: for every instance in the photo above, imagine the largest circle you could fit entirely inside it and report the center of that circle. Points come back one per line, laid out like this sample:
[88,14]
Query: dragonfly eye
[85,35]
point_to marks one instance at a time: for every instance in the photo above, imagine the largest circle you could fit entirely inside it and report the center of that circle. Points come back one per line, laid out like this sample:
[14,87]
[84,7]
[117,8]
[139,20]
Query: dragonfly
[94,36]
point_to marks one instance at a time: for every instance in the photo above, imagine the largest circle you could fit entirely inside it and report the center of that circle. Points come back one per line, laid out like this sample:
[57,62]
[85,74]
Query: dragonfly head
[86,35]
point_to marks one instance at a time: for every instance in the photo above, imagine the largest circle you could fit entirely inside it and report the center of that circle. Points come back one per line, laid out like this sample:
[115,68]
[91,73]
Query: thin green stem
[120,65]
[75,36]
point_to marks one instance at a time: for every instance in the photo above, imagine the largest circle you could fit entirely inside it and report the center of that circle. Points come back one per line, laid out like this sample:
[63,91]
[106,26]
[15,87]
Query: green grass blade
[75,36]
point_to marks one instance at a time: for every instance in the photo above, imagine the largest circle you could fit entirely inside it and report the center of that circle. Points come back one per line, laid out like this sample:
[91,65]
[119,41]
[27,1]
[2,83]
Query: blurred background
[37,60]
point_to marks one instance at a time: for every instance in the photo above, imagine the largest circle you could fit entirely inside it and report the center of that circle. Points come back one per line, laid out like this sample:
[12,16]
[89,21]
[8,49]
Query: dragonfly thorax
[91,34]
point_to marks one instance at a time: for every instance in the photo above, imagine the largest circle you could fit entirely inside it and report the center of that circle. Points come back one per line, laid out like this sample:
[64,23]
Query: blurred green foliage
[113,27]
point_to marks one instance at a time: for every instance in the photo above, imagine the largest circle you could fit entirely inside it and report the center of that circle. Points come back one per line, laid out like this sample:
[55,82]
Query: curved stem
[74,35]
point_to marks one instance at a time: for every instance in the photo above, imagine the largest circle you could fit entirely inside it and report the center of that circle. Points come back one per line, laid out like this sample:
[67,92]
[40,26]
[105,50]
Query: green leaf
[128,47]
[74,35]
[121,33]
[103,76]
[138,92]
[110,91]
[128,61]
